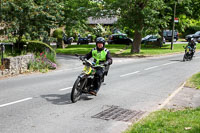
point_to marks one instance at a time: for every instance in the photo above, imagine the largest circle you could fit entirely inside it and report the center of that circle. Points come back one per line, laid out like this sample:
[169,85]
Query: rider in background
[101,56]
[192,44]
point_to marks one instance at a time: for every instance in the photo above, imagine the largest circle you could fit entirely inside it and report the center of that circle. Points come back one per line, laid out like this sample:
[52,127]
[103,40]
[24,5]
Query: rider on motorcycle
[192,44]
[101,56]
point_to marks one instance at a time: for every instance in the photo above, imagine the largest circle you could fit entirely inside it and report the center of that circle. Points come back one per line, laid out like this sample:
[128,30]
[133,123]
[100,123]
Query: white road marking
[151,68]
[168,63]
[129,74]
[147,69]
[26,99]
[65,89]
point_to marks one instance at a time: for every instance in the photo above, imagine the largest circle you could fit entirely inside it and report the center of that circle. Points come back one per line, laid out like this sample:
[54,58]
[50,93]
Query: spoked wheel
[184,58]
[76,91]
[191,57]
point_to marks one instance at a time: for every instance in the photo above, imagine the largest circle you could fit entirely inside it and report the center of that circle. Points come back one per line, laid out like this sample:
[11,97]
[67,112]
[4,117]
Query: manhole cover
[119,114]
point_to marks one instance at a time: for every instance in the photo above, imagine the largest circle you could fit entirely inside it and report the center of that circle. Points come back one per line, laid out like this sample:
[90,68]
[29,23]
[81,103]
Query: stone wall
[15,65]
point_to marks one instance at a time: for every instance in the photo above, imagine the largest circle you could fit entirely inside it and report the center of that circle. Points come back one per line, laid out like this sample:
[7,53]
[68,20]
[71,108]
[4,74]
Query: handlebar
[86,62]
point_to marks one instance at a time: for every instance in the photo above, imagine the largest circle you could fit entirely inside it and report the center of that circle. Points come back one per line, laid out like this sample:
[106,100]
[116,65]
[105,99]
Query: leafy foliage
[42,63]
[33,19]
[139,15]
[28,16]
[76,13]
[58,33]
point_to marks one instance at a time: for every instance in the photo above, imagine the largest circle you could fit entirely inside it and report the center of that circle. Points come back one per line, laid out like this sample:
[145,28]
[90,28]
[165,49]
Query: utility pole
[173,26]
[2,51]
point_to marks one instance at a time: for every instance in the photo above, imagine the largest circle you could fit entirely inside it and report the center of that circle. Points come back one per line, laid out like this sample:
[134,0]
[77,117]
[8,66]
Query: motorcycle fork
[84,79]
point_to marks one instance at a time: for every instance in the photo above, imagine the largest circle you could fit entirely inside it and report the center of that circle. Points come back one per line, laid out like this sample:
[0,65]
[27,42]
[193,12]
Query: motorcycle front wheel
[76,90]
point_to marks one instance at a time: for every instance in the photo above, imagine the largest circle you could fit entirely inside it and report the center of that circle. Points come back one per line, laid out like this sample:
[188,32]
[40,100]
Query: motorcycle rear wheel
[76,91]
[184,58]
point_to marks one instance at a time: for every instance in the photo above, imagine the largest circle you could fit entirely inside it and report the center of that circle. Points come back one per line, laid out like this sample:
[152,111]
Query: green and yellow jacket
[99,55]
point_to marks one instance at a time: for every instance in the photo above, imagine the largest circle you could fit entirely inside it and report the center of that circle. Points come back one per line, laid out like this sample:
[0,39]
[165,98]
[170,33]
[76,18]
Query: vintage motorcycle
[84,82]
[189,52]
[67,40]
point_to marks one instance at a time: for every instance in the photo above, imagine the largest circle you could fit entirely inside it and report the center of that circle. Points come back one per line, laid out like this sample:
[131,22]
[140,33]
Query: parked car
[195,36]
[119,39]
[167,34]
[151,38]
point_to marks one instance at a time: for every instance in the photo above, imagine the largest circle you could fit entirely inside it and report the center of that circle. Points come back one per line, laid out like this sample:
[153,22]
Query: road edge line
[171,96]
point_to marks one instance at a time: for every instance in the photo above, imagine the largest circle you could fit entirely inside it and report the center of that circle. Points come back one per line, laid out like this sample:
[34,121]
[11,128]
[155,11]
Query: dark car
[151,38]
[119,39]
[167,34]
[195,36]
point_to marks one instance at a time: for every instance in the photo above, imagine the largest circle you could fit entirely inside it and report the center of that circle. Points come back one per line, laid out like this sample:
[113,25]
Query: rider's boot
[93,92]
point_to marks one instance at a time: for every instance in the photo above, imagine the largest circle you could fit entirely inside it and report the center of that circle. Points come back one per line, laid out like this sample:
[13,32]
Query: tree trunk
[63,45]
[161,38]
[136,43]
[18,48]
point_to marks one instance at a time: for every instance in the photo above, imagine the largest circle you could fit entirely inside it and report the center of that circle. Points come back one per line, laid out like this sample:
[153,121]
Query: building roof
[106,20]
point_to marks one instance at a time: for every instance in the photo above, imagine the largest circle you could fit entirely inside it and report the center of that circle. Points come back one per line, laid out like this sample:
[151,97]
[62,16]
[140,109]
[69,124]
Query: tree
[186,11]
[76,13]
[139,15]
[30,16]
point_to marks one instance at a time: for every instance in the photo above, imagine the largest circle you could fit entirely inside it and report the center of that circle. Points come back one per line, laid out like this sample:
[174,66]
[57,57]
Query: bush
[43,62]
[58,33]
[36,46]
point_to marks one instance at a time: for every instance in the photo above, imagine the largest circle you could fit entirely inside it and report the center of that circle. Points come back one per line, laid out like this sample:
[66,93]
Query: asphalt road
[40,103]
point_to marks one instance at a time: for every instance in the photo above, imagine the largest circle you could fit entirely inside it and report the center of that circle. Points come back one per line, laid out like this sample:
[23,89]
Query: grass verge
[194,82]
[150,50]
[124,50]
[169,121]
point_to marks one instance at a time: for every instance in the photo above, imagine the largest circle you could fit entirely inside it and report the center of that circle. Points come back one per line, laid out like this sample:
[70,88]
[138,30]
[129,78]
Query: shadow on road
[58,99]
[85,97]
[178,60]
[63,99]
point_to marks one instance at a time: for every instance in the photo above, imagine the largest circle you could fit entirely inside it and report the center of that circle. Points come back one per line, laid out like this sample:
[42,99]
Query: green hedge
[36,46]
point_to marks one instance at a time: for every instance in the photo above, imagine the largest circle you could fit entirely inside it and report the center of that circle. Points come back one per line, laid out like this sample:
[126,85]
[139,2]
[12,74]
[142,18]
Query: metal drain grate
[119,114]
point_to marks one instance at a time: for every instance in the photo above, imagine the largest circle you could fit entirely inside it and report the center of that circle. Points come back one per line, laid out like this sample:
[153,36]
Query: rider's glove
[106,63]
